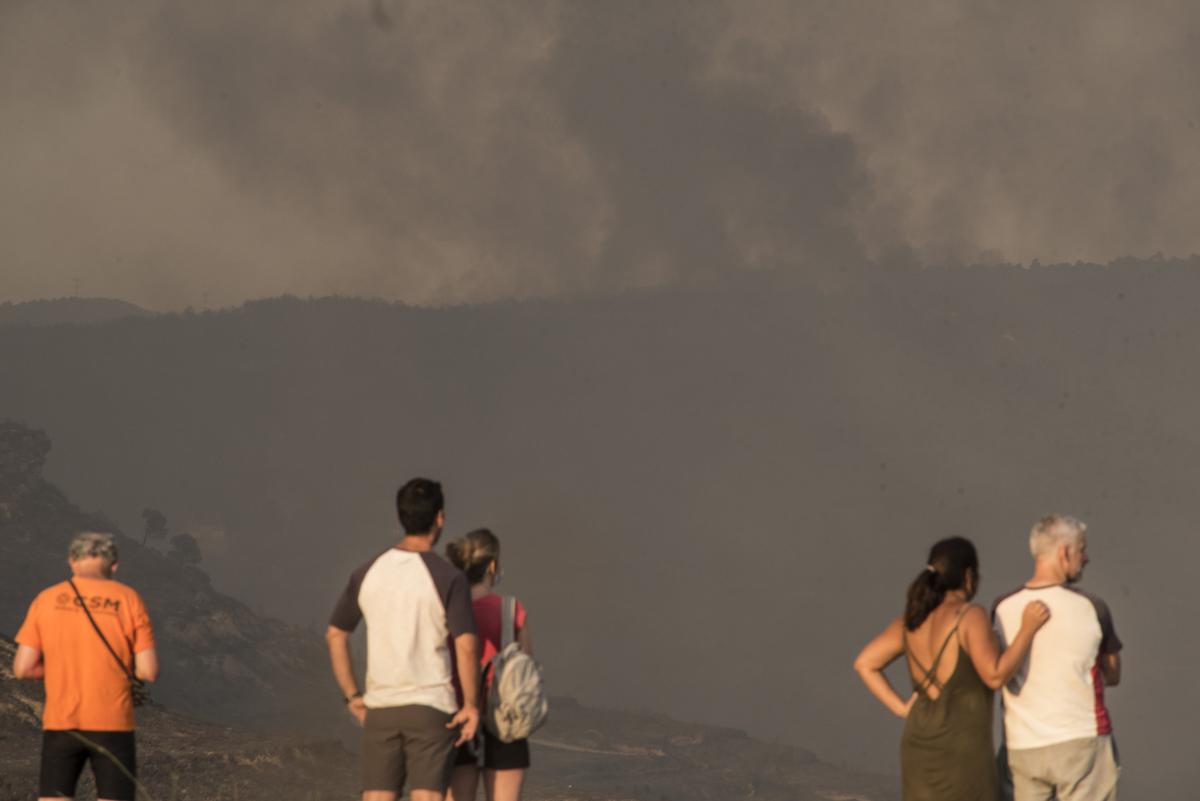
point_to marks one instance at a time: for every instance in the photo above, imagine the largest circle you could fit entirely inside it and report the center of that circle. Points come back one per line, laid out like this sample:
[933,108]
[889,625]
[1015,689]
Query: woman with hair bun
[504,764]
[955,663]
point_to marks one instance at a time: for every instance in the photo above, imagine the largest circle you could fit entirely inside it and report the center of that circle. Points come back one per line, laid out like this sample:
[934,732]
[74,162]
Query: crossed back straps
[930,678]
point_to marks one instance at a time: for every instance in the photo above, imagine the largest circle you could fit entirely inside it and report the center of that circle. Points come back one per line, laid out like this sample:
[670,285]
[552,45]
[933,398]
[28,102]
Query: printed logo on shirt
[96,603]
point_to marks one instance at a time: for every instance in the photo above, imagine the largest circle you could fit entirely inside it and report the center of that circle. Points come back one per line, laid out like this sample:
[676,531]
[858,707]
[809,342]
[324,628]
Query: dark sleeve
[1001,599]
[455,593]
[347,614]
[1110,643]
[460,617]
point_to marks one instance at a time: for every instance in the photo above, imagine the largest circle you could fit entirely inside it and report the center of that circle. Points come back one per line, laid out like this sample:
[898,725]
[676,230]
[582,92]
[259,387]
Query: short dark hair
[418,503]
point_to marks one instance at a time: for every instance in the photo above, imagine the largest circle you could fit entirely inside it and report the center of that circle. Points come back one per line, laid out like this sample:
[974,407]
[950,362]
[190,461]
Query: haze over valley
[728,486]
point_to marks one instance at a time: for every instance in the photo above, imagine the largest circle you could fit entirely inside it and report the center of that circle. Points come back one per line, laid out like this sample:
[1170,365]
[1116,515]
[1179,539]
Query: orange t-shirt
[85,687]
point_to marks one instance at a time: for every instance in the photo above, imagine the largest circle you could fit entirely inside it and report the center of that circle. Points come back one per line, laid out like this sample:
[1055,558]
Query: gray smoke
[176,154]
[429,152]
[998,130]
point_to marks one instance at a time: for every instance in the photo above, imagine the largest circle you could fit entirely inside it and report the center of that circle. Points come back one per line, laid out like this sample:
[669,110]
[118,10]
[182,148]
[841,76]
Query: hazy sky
[183,153]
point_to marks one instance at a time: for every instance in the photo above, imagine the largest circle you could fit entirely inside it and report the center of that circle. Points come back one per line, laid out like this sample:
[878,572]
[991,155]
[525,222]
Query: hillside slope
[68,311]
[220,660]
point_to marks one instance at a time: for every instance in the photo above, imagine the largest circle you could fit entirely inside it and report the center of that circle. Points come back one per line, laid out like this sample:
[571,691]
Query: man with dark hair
[418,504]
[415,603]
[84,637]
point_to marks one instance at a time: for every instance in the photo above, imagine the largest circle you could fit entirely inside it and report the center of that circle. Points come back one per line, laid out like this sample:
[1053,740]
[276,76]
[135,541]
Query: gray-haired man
[89,702]
[1057,730]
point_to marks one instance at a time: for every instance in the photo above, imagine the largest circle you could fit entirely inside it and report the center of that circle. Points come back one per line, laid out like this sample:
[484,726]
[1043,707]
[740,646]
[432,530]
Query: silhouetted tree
[185,549]
[156,525]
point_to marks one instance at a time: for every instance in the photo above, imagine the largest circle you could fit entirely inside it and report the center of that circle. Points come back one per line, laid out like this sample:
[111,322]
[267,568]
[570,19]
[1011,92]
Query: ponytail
[951,561]
[925,594]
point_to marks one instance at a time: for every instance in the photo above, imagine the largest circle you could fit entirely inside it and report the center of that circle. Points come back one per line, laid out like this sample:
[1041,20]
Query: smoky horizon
[442,154]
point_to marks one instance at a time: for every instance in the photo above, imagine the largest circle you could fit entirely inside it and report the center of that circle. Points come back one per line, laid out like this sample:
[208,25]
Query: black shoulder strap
[99,633]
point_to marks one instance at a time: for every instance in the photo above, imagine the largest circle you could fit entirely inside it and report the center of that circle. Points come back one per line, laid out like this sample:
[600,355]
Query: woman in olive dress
[955,663]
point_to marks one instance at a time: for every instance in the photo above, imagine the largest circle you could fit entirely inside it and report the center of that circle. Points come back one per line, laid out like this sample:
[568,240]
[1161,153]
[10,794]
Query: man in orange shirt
[89,702]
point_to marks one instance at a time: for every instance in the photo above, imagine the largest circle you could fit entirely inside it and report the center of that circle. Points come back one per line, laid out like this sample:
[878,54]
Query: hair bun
[474,553]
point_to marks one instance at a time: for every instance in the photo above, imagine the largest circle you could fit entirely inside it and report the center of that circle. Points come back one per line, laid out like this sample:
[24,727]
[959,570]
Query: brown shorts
[407,742]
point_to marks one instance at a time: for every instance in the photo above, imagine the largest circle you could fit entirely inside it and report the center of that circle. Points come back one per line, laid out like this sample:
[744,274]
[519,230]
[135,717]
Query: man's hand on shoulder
[1035,615]
[468,718]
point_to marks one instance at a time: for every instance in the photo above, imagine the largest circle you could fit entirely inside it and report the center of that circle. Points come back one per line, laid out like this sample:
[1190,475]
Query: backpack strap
[508,621]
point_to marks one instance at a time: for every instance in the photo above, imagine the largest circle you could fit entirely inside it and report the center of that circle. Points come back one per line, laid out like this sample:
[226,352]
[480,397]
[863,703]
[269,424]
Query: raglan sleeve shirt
[460,618]
[347,614]
[1110,643]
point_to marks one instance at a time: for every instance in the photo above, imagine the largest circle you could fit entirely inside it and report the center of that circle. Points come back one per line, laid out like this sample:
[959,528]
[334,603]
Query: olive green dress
[946,750]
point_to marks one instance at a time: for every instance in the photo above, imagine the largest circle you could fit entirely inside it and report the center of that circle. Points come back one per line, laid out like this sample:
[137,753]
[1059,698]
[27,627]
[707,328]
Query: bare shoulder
[975,616]
[894,632]
[975,628]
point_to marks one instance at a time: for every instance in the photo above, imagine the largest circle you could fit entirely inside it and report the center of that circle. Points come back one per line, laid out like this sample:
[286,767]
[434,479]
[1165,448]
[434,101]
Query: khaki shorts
[407,743]
[1077,770]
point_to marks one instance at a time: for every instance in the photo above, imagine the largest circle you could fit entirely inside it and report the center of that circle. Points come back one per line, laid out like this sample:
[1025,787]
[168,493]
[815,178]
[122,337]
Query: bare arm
[1110,669]
[28,664]
[979,641]
[145,665]
[466,652]
[524,640]
[343,671]
[877,655]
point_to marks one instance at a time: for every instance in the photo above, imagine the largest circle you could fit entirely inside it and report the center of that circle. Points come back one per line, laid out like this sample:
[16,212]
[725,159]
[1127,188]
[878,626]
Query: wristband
[352,697]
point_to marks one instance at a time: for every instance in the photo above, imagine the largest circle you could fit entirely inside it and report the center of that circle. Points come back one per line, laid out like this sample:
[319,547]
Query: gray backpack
[516,703]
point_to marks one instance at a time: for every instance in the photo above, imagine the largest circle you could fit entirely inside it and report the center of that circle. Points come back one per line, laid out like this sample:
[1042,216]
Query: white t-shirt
[414,604]
[1058,693]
